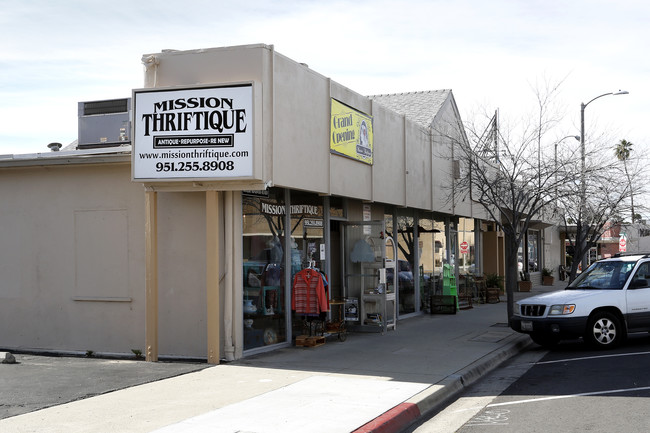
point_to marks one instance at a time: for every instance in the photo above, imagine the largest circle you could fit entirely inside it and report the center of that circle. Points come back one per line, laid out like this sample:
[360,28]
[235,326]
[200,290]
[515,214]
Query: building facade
[190,240]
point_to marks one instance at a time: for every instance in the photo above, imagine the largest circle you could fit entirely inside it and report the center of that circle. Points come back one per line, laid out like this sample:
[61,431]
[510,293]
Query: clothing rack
[309,298]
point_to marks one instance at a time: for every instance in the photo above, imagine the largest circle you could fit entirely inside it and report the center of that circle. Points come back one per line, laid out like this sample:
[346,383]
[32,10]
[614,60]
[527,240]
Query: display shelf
[375,299]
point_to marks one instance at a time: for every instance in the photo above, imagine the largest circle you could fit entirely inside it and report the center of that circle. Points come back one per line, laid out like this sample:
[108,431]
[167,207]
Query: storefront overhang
[421,229]
[221,185]
[538,225]
[569,230]
[113,155]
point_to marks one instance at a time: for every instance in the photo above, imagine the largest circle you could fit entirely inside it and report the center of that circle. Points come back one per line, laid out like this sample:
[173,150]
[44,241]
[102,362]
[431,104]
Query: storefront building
[241,180]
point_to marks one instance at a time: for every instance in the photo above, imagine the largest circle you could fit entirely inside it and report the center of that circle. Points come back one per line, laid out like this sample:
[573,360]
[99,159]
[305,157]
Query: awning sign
[351,133]
[193,133]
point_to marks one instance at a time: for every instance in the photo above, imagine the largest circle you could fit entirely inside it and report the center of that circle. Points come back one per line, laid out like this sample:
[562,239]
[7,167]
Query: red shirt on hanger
[308,295]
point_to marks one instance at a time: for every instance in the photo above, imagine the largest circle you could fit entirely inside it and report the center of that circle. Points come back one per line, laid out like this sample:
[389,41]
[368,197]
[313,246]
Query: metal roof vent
[55,147]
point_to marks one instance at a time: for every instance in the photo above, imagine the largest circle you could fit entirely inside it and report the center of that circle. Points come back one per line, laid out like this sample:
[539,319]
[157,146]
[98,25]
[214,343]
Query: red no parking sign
[622,244]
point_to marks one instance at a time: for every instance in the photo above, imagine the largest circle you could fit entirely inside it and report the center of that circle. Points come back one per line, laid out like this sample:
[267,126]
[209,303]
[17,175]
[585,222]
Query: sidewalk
[370,382]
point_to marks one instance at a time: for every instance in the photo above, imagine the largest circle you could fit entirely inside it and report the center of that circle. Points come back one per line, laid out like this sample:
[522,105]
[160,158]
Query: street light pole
[583,184]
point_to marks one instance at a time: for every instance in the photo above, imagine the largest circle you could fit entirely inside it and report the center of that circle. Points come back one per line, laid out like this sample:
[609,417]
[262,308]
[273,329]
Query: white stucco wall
[295,122]
[182,274]
[48,298]
[73,266]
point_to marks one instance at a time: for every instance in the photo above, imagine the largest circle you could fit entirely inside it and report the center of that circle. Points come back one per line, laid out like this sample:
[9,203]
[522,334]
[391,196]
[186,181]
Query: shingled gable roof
[420,107]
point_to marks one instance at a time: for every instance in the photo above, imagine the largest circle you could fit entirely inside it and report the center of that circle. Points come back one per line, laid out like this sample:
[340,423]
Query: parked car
[603,305]
[404,275]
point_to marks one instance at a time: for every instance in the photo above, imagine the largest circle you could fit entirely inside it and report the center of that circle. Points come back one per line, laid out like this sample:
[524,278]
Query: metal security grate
[532,310]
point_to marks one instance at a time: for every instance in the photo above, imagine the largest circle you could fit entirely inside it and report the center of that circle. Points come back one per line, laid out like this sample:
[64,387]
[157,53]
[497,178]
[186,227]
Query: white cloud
[55,54]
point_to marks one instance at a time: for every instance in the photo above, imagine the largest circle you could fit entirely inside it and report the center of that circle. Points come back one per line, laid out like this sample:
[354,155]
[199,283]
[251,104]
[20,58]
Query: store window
[338,208]
[365,294]
[263,266]
[308,252]
[534,253]
[440,249]
[406,243]
[307,243]
[388,224]
[466,253]
[431,253]
[466,247]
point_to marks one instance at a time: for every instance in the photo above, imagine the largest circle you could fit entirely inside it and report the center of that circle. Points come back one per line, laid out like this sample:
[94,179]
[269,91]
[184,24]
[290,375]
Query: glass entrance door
[364,287]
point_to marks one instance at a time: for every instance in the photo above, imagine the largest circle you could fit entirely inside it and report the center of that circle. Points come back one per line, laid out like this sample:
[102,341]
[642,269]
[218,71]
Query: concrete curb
[425,402]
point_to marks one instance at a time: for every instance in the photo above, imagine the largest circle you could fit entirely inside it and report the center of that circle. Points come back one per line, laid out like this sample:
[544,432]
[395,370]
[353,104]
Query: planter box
[492,295]
[548,281]
[443,304]
[525,286]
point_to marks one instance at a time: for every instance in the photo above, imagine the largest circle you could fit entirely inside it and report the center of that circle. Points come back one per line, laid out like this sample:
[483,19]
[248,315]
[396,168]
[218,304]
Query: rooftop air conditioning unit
[104,123]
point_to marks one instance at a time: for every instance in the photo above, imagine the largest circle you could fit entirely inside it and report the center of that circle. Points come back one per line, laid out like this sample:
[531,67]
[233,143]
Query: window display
[263,266]
[466,247]
[431,241]
[405,239]
[308,263]
[533,251]
[466,256]
[368,295]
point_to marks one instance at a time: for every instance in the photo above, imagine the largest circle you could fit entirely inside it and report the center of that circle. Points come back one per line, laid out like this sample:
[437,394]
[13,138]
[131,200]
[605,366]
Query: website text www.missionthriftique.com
[210,160]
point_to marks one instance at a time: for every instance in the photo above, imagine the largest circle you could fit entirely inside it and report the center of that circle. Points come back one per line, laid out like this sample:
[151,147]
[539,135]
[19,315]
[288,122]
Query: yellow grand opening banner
[351,133]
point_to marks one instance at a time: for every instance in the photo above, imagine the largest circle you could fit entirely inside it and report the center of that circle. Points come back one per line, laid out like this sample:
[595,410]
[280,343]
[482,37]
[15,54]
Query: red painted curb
[392,421]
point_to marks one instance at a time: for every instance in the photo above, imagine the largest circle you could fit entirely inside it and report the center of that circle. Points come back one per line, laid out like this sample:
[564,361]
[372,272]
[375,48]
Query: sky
[492,54]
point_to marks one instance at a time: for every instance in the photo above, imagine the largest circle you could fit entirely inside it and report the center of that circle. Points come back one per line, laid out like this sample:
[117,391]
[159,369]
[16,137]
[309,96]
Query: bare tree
[606,199]
[405,237]
[513,175]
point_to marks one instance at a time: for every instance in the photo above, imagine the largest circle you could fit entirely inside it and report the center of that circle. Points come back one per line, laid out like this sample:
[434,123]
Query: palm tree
[622,151]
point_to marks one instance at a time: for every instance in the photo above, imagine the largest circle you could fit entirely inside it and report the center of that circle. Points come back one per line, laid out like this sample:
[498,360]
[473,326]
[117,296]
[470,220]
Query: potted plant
[525,284]
[494,287]
[494,281]
[547,277]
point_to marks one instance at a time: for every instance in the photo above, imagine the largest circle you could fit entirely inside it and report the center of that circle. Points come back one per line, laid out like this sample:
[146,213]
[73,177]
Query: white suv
[604,304]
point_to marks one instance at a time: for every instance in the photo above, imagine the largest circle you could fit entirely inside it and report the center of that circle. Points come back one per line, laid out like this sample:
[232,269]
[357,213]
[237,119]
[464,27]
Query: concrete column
[151,265]
[212,226]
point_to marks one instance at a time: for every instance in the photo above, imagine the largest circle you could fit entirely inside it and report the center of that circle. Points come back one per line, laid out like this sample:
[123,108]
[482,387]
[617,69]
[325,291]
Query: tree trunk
[511,248]
[580,251]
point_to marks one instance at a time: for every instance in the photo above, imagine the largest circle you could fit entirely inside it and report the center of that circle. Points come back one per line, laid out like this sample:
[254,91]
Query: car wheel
[545,340]
[604,331]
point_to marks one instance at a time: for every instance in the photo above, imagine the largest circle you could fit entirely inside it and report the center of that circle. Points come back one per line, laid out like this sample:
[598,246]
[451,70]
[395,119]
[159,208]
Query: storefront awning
[222,185]
[539,225]
[569,230]
[420,230]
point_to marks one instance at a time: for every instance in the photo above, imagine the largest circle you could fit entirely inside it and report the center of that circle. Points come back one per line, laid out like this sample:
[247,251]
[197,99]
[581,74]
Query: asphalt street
[35,382]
